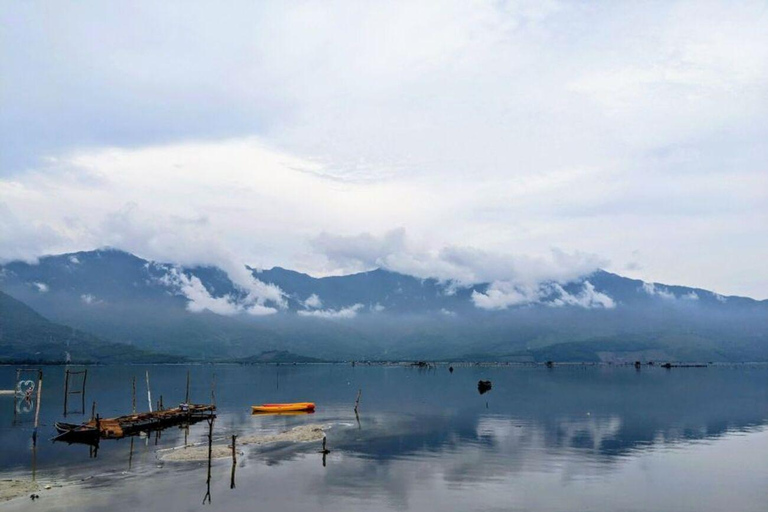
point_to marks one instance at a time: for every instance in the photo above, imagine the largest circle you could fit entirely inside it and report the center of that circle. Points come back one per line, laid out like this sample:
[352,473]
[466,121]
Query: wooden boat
[292,407]
[116,428]
[73,433]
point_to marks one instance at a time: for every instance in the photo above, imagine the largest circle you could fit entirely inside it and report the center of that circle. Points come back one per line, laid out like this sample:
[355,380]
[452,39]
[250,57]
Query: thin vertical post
[16,395]
[149,394]
[213,390]
[210,453]
[186,397]
[37,405]
[133,395]
[234,461]
[93,410]
[82,392]
[66,390]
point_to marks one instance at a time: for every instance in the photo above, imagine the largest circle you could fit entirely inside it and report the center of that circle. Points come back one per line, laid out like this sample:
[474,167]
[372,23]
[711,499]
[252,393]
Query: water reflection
[430,430]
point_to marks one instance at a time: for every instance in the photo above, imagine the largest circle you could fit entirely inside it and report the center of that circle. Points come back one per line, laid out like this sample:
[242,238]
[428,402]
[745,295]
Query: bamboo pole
[37,405]
[16,395]
[66,390]
[82,395]
[210,453]
[234,461]
[149,393]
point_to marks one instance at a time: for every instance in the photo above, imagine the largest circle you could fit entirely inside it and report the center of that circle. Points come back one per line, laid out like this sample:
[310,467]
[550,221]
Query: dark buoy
[550,364]
[450,369]
[484,386]
[638,364]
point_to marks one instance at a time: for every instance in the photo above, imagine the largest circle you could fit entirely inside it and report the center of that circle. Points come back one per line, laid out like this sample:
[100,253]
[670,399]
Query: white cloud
[492,126]
[588,297]
[201,300]
[344,313]
[657,290]
[41,287]
[455,265]
[89,299]
[313,302]
[503,295]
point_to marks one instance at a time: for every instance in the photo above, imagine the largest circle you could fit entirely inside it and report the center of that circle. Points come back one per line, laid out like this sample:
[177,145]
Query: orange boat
[293,407]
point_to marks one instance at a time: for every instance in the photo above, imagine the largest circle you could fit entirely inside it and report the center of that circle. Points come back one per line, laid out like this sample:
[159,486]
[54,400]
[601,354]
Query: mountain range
[94,304]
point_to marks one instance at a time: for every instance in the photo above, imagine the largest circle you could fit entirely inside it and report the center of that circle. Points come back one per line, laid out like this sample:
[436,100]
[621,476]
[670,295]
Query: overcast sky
[471,140]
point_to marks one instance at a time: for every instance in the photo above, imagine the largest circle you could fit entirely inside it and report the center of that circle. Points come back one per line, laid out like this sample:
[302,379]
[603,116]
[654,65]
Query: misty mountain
[201,313]
[27,336]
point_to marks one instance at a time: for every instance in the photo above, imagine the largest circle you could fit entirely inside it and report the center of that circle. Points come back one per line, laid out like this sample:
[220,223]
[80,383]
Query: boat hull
[283,408]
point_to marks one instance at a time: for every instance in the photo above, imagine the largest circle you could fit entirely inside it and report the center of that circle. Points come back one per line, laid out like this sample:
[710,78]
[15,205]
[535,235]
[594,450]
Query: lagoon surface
[569,438]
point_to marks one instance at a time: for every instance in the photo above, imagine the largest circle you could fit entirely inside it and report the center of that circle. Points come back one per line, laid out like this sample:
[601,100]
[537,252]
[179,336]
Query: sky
[511,142]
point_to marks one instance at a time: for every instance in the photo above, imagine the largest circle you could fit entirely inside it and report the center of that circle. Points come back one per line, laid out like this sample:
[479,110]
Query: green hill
[26,336]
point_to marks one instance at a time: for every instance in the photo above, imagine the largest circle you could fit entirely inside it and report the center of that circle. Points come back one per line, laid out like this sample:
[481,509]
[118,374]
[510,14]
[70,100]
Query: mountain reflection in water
[574,437]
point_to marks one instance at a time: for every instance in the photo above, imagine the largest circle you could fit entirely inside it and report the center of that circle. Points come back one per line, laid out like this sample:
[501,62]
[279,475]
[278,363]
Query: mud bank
[10,489]
[300,434]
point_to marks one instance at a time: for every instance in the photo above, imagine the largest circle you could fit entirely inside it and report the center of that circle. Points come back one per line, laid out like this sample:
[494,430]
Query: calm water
[569,438]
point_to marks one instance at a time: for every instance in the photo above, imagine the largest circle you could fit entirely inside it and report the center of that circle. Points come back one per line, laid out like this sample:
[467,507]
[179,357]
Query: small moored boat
[292,407]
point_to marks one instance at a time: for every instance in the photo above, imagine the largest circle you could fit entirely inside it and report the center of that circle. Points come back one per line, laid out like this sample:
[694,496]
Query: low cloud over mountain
[201,311]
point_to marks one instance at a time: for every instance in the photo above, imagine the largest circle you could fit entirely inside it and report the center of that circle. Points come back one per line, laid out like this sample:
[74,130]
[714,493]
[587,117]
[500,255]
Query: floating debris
[484,386]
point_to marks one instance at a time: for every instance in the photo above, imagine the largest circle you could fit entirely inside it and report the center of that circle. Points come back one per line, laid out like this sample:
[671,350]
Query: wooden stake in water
[149,393]
[66,390]
[210,454]
[82,391]
[234,461]
[357,400]
[186,397]
[16,395]
[37,405]
[133,395]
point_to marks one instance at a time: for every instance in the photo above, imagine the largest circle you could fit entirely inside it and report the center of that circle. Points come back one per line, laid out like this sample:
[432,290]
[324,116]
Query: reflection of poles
[234,461]
[37,405]
[210,455]
[130,455]
[34,462]
[325,451]
[357,404]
